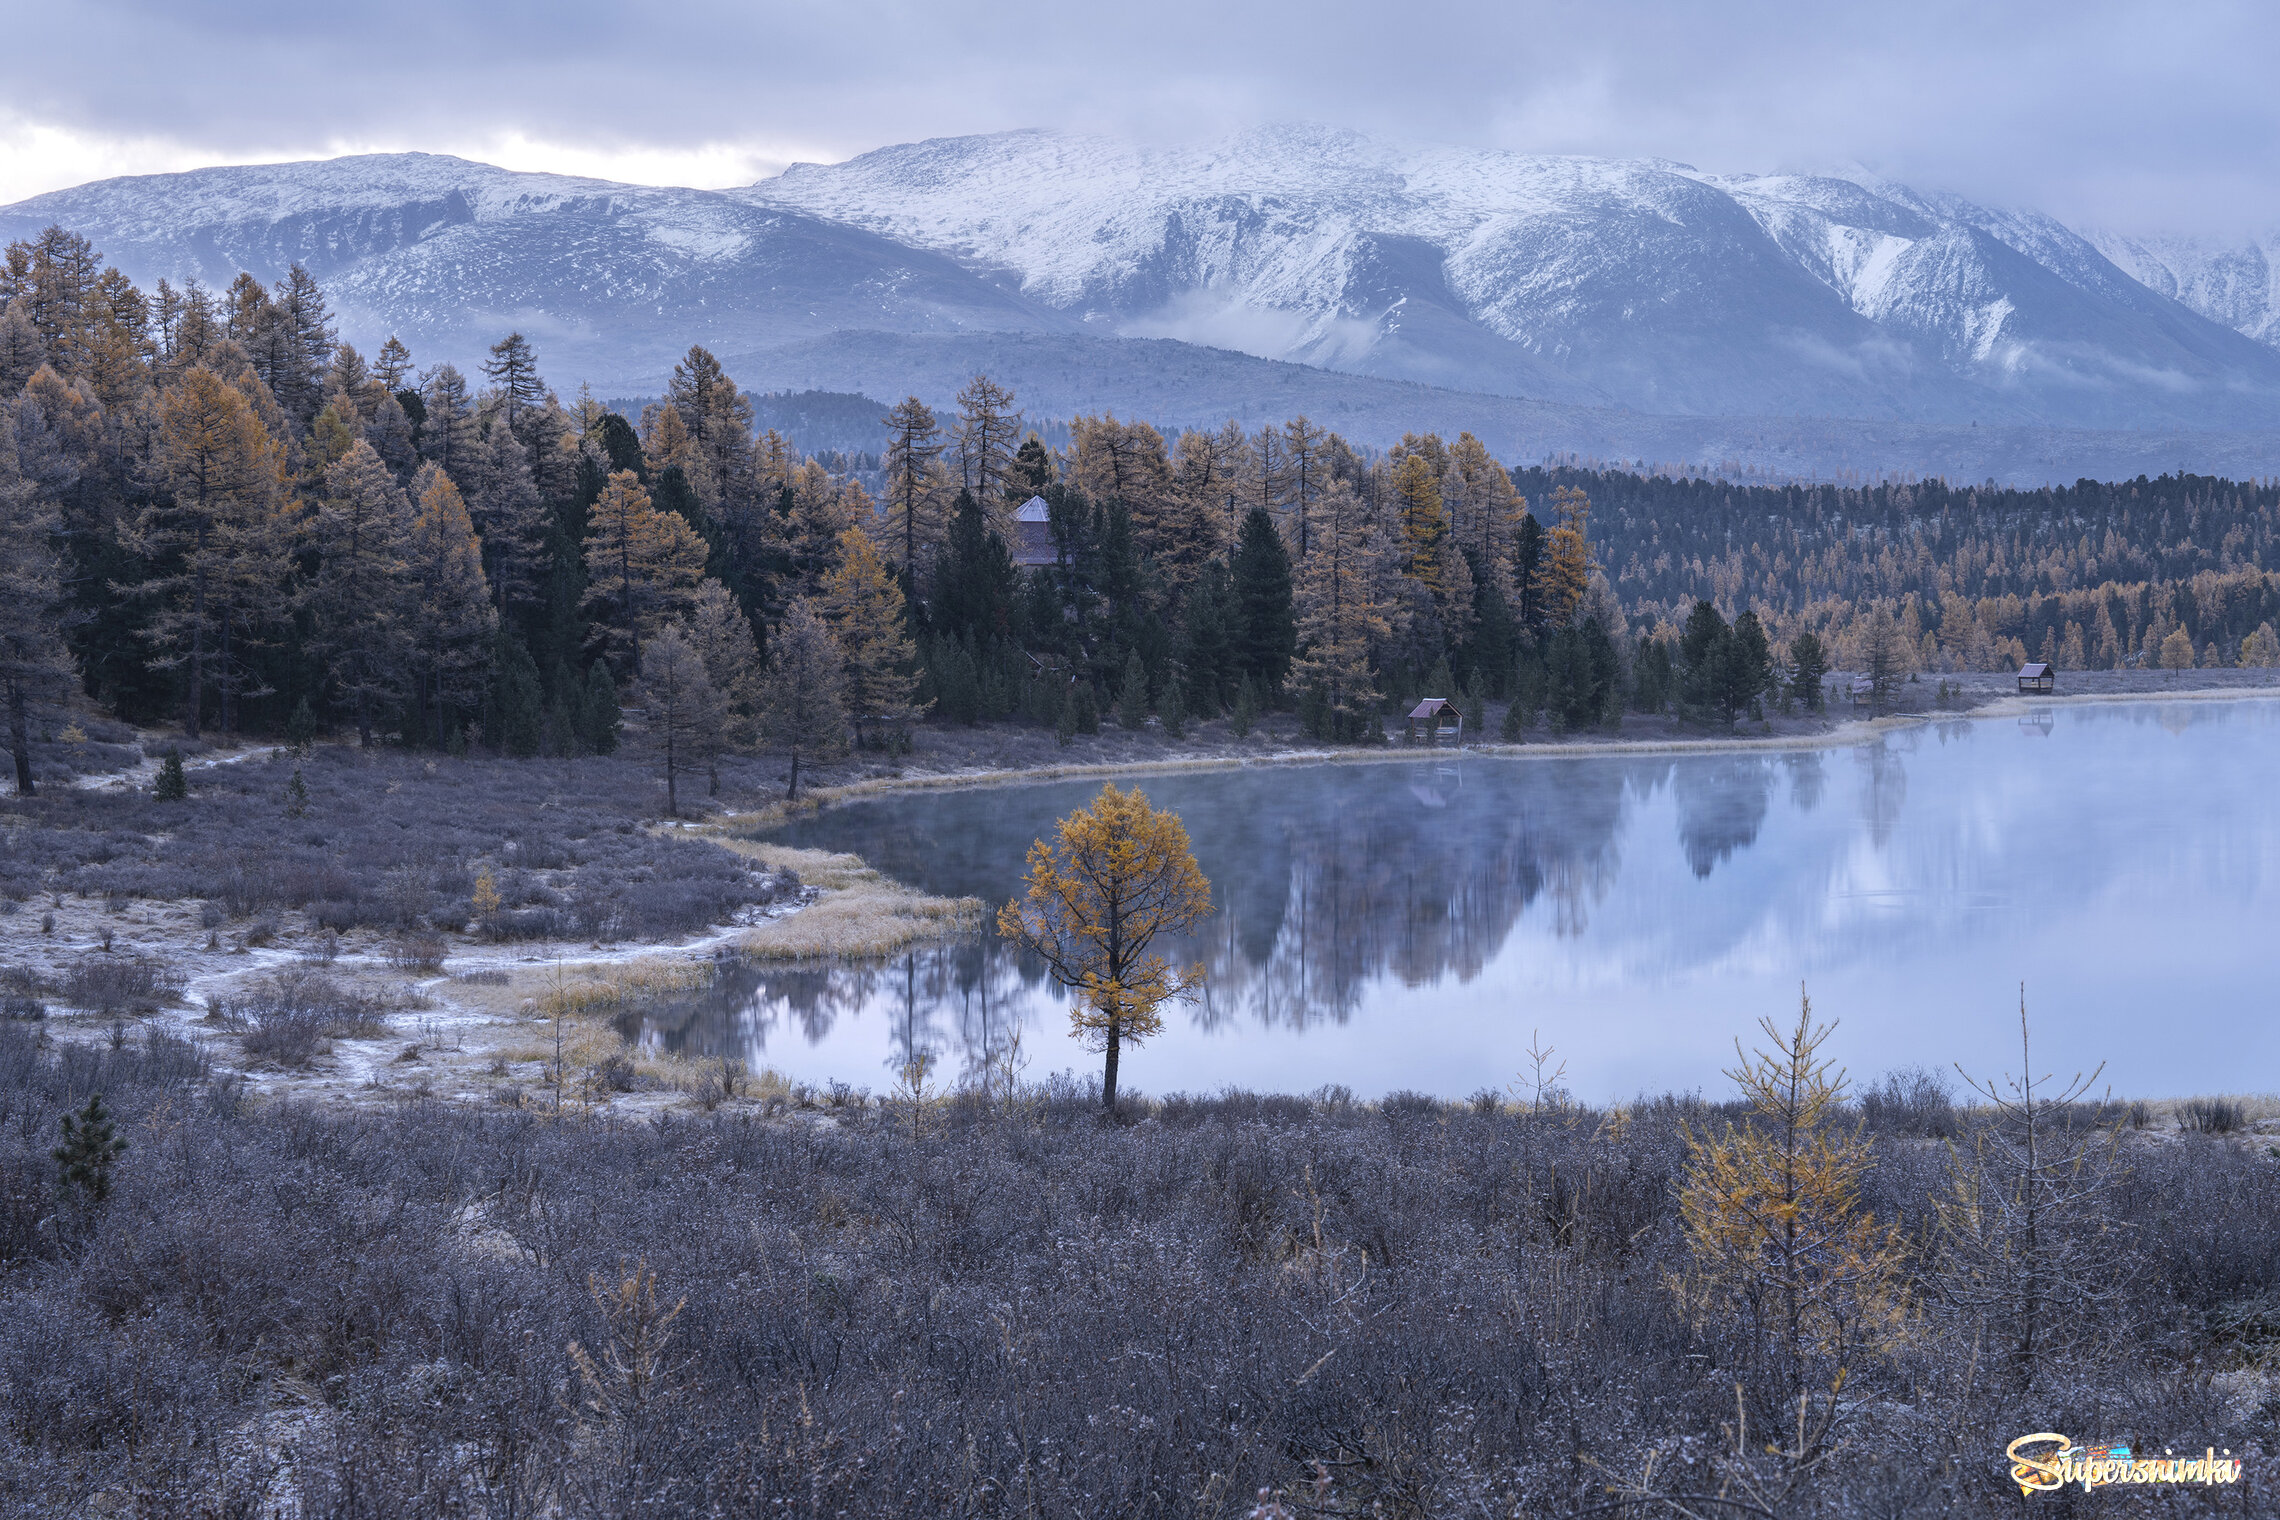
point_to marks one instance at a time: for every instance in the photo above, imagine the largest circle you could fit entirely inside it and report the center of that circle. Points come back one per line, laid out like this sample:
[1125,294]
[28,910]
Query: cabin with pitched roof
[2035,675]
[1431,713]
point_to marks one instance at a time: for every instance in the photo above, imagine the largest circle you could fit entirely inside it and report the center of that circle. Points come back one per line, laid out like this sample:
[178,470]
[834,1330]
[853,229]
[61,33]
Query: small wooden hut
[1430,713]
[2035,675]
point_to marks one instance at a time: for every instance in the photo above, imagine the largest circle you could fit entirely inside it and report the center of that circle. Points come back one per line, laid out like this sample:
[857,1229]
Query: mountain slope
[610,280]
[1538,295]
[1643,283]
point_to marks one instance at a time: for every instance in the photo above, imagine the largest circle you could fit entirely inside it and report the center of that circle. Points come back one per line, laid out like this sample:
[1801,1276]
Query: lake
[1414,924]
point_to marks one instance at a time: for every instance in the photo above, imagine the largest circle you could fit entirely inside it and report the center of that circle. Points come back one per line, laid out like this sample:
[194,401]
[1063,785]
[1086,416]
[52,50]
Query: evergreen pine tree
[35,668]
[296,796]
[1065,725]
[447,619]
[1132,696]
[1527,562]
[1246,710]
[1809,666]
[1173,708]
[517,710]
[1266,637]
[1517,717]
[1088,708]
[1750,665]
[599,719]
[1208,634]
[301,728]
[173,785]
[90,1149]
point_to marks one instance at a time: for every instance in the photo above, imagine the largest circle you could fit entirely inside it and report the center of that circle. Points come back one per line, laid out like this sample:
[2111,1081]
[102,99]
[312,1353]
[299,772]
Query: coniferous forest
[218,514]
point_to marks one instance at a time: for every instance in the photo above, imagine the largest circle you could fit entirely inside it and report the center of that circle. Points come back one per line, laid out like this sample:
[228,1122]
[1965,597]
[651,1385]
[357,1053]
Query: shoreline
[1845,734]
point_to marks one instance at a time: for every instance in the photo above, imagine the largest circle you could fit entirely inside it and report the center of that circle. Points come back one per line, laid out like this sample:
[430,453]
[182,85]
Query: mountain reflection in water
[1413,922]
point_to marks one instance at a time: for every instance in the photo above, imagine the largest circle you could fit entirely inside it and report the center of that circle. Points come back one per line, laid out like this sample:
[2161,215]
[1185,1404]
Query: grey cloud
[2134,115]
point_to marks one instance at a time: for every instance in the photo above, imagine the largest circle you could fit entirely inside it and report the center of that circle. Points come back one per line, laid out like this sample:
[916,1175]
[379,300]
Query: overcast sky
[2139,116]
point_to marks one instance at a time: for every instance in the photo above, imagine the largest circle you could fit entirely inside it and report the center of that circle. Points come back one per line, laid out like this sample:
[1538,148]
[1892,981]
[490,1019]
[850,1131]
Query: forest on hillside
[214,512]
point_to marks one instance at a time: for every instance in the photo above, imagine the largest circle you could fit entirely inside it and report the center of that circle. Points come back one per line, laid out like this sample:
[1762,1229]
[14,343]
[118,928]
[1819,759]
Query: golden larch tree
[1780,1245]
[865,609]
[1563,572]
[1114,878]
[1339,614]
[642,565]
[448,621]
[222,470]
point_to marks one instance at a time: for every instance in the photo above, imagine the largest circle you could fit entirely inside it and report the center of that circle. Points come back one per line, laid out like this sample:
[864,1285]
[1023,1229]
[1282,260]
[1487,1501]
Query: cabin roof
[1033,510]
[2034,669]
[1432,707]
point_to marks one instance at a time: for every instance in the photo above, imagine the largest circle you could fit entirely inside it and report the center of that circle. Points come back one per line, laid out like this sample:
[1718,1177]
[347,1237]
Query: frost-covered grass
[861,913]
[999,1307]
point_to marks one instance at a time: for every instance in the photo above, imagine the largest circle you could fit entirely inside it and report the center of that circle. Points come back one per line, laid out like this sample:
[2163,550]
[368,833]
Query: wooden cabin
[1863,691]
[1431,712]
[2036,675]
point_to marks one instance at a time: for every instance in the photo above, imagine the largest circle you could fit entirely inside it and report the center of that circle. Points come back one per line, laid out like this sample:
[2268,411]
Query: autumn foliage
[1113,877]
[1781,1246]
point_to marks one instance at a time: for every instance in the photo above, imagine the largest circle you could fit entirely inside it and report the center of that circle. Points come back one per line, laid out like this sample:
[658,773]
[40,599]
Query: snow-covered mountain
[1306,267]
[611,281]
[1642,283]
[2235,281]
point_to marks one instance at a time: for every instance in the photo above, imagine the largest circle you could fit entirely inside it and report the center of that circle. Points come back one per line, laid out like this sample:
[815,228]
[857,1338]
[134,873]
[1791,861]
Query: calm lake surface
[1392,926]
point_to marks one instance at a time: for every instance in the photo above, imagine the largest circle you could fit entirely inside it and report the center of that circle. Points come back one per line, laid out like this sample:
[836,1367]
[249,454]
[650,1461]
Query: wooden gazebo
[2036,675]
[1430,712]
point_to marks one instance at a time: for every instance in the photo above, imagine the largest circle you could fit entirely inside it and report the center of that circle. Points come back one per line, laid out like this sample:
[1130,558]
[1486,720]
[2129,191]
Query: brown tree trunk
[1108,1074]
[793,795]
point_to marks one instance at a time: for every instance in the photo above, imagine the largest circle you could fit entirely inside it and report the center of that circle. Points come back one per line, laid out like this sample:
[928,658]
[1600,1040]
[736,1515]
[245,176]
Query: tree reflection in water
[1327,880]
[1417,919]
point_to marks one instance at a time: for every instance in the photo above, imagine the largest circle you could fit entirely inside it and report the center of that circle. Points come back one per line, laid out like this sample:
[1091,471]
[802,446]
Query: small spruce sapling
[1173,708]
[89,1150]
[173,785]
[296,796]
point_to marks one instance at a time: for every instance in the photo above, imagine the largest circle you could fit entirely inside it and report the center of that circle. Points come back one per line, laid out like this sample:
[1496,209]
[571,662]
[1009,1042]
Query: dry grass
[861,912]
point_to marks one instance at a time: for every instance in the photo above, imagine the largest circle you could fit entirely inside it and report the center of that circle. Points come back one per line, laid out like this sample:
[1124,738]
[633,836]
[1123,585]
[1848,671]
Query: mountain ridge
[1540,294]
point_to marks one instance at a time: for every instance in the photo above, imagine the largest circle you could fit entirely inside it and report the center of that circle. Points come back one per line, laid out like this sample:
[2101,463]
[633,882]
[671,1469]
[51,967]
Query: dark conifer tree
[1809,666]
[601,719]
[1527,556]
[1266,637]
[1208,632]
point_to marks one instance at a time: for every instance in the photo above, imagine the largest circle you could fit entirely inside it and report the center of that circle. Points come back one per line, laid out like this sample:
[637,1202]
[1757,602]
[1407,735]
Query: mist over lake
[1390,926]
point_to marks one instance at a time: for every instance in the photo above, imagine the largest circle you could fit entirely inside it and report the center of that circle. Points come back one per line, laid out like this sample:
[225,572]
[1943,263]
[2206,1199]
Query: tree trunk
[197,652]
[793,795]
[1108,1073]
[20,738]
